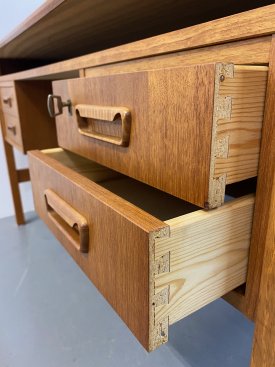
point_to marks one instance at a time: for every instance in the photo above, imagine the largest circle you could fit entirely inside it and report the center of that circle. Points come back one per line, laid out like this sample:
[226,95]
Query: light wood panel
[237,122]
[208,252]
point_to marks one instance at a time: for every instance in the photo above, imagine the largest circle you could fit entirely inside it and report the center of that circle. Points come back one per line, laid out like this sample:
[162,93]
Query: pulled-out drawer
[188,131]
[155,258]
[24,116]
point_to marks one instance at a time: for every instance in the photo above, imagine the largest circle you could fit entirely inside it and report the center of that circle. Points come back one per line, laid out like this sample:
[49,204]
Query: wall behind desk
[13,12]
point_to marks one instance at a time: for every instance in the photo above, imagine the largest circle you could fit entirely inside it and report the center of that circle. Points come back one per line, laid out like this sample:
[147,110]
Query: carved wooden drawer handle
[72,224]
[85,113]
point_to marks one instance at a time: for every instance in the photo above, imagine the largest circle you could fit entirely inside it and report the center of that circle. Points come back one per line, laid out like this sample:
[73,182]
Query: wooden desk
[247,38]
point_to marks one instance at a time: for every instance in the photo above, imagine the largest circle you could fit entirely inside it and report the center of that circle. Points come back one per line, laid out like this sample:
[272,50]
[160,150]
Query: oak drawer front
[12,130]
[8,100]
[192,129]
[155,266]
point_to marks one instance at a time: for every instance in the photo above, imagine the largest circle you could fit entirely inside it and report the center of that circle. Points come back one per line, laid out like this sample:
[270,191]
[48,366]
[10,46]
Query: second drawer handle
[8,101]
[72,224]
[12,129]
[107,114]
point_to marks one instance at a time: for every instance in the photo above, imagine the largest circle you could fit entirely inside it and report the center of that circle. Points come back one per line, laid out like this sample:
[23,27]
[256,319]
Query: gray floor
[52,316]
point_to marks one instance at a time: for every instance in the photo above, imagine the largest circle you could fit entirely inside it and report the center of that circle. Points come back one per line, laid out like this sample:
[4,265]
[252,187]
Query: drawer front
[8,100]
[188,131]
[152,272]
[12,130]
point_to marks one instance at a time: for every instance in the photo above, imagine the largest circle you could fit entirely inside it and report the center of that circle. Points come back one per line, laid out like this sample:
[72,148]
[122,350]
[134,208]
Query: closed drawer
[24,115]
[155,258]
[8,100]
[12,130]
[188,131]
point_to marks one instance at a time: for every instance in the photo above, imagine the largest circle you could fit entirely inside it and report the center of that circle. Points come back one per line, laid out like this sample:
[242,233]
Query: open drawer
[188,131]
[155,258]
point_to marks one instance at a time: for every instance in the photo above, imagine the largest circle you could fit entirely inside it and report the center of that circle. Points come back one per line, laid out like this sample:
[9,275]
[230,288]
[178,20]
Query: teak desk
[245,40]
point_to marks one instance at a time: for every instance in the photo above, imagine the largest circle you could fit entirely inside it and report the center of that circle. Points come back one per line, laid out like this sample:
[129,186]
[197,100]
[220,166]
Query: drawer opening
[156,202]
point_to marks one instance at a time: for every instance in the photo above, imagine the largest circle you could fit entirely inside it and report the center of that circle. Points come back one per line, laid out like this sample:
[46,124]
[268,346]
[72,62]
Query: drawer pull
[54,102]
[12,129]
[106,114]
[8,101]
[72,224]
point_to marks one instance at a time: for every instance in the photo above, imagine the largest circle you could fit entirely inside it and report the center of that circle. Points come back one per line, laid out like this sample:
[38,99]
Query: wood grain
[249,52]
[163,251]
[12,131]
[117,261]
[261,275]
[23,175]
[105,123]
[255,23]
[247,302]
[26,123]
[69,221]
[8,95]
[237,122]
[203,267]
[12,172]
[97,25]
[175,140]
[264,338]
[157,150]
[37,128]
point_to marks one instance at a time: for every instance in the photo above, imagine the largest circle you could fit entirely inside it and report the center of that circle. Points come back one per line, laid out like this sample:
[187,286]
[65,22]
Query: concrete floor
[52,316]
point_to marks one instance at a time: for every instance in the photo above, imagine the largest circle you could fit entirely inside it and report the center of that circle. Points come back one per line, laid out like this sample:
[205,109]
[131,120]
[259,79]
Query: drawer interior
[164,257]
[155,202]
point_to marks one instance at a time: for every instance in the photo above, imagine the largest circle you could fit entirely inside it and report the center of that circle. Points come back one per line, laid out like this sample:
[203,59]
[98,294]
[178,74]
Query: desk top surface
[62,29]
[244,26]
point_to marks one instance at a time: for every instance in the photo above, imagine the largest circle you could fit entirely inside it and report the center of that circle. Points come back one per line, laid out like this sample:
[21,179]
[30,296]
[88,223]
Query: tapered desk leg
[14,183]
[263,354]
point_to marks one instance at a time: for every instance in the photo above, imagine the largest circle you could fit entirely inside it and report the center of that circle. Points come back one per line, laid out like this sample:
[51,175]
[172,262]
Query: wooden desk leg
[263,354]
[14,183]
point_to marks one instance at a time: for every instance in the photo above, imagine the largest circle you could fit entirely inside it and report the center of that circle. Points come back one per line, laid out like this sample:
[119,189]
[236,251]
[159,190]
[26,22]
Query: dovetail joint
[222,147]
[161,298]
[223,107]
[160,334]
[162,264]
[217,192]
